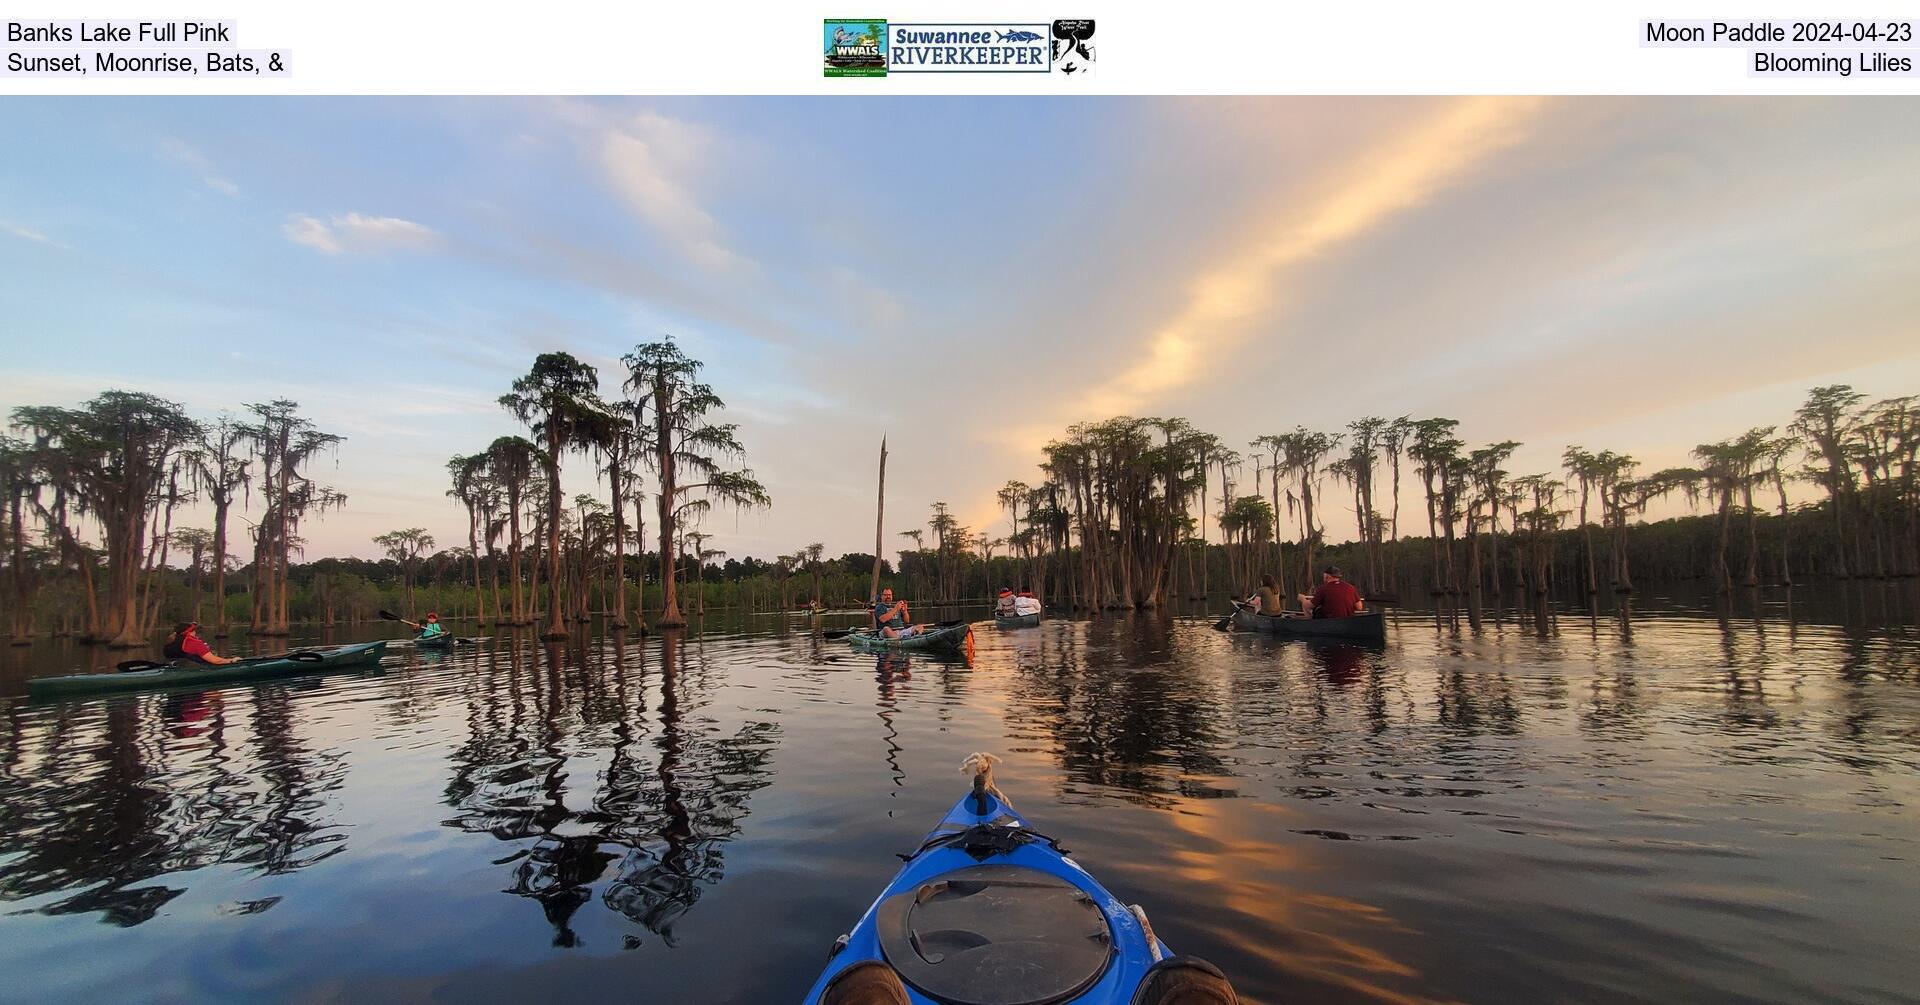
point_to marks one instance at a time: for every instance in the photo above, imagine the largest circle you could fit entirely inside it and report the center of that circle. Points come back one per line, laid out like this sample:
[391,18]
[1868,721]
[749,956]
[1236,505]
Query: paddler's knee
[1185,980]
[869,983]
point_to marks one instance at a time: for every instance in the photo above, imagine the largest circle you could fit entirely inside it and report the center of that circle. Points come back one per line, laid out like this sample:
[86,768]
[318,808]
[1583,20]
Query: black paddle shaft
[1221,625]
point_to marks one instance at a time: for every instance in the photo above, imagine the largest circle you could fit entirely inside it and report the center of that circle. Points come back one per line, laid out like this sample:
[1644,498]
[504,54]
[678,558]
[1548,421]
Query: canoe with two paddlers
[1365,625]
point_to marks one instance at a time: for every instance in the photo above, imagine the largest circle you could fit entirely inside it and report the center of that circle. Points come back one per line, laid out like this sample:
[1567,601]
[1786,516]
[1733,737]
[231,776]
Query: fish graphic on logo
[1019,36]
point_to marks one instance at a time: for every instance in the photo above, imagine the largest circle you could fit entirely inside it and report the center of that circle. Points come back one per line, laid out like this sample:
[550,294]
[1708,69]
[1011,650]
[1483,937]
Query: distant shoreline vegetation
[1121,518]
[1128,513]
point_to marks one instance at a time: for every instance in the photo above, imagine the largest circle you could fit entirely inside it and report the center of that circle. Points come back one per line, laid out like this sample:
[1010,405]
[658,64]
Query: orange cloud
[1400,173]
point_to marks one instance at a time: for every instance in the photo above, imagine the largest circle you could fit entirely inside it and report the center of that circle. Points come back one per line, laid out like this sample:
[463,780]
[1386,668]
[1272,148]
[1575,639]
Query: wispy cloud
[652,160]
[180,153]
[28,234]
[355,232]
[1227,296]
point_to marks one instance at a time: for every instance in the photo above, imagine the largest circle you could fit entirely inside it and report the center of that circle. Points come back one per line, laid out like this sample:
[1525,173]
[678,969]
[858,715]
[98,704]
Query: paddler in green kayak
[890,616]
[186,644]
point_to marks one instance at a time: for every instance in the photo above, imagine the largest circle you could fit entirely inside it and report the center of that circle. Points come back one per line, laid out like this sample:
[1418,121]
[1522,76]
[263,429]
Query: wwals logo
[856,47]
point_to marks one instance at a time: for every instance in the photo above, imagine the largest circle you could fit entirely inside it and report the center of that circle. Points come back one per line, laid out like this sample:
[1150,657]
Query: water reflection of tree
[100,800]
[1126,709]
[654,822]
[1470,704]
[890,669]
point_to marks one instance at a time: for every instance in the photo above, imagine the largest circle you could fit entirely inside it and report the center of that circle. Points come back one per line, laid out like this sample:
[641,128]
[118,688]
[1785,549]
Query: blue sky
[966,275]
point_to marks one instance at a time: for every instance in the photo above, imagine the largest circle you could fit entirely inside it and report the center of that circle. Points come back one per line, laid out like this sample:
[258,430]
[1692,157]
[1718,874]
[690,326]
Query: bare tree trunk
[1786,566]
[879,523]
[513,552]
[619,544]
[556,618]
[639,537]
[1586,535]
[669,556]
[1753,537]
[1474,599]
[1723,579]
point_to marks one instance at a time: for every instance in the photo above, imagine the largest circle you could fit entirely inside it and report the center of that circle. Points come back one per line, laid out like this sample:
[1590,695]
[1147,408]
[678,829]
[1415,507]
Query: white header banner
[953,47]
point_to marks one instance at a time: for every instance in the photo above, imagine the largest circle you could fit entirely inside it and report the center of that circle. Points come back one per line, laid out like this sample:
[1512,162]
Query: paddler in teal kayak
[186,644]
[428,631]
[890,616]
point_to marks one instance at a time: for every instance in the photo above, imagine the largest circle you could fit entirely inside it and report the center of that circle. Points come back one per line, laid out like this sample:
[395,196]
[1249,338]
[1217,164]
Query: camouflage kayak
[950,637]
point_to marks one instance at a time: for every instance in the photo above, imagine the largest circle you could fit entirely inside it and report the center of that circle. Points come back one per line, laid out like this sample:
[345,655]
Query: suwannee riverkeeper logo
[875,47]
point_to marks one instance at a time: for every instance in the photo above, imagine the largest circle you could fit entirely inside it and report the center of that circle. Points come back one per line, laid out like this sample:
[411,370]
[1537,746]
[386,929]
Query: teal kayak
[444,640]
[299,661]
[1016,621]
[952,638]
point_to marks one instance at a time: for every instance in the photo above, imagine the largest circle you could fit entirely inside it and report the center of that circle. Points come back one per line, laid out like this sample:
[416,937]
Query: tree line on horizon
[1122,515]
[90,495]
[1128,512]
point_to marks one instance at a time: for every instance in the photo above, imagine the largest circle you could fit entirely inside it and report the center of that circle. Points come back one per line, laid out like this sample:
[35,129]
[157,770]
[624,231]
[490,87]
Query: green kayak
[300,661]
[949,637]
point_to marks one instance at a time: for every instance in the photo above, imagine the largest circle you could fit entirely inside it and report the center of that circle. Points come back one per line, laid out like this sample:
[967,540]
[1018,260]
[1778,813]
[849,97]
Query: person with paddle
[186,644]
[1267,598]
[1336,598]
[890,616]
[431,632]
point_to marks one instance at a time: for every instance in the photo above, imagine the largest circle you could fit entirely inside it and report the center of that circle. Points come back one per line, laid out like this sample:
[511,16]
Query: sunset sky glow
[966,276]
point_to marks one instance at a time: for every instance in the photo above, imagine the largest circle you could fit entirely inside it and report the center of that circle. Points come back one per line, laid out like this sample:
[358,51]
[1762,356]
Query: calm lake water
[1692,805]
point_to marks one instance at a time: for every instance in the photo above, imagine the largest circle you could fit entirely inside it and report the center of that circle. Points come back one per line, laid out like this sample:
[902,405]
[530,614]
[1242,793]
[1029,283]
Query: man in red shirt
[186,644]
[1336,598]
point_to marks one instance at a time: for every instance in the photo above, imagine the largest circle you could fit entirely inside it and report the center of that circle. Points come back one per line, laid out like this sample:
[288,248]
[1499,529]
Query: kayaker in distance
[890,616]
[186,644]
[430,630]
[1336,598]
[1025,603]
[1005,608]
